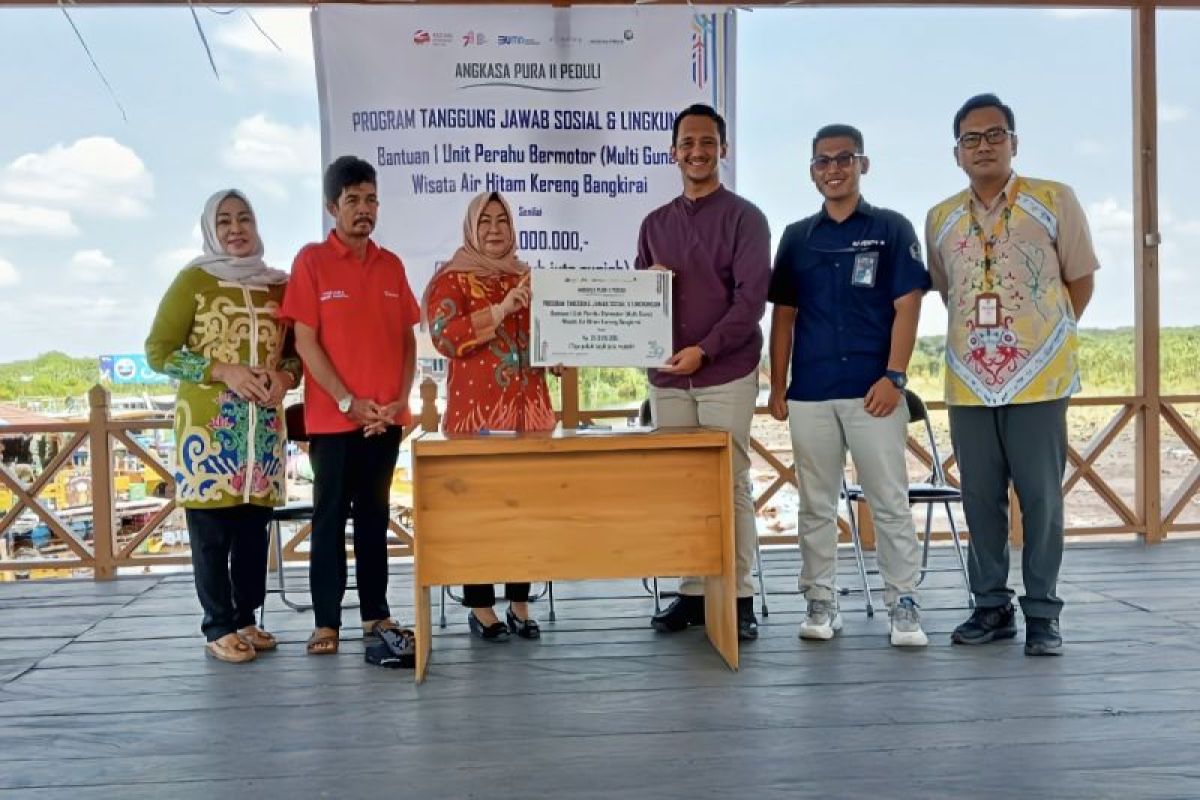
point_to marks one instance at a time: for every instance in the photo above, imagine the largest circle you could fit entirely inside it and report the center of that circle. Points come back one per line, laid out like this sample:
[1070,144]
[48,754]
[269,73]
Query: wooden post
[1145,269]
[100,457]
[569,392]
[429,412]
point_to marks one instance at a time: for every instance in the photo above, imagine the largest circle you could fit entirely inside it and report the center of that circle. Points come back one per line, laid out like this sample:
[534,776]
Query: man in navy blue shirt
[847,288]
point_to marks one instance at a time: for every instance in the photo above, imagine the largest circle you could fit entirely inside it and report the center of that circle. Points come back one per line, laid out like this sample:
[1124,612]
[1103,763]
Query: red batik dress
[491,384]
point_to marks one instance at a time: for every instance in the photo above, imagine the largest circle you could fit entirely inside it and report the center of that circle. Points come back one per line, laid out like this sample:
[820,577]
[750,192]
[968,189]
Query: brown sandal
[323,642]
[257,638]
[231,649]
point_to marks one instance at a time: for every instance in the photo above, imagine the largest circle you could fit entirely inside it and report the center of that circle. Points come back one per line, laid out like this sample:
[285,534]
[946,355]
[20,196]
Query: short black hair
[346,171]
[837,131]
[983,101]
[698,110]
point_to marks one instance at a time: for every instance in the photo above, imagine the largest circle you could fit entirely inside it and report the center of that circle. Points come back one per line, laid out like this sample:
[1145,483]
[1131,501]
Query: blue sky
[97,214]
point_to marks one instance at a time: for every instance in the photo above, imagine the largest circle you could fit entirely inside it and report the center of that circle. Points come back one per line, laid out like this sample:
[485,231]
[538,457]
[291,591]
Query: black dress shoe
[747,622]
[986,625]
[525,628]
[1042,637]
[685,610]
[496,632]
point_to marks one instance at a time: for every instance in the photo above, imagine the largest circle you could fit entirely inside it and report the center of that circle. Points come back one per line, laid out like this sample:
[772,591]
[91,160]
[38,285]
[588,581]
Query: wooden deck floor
[105,692]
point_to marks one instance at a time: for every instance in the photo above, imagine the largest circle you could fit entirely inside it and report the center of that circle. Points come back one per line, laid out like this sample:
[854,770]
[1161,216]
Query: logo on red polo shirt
[334,294]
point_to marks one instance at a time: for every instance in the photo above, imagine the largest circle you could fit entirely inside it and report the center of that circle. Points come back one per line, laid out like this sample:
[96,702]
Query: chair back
[917,412]
[916,407]
[293,418]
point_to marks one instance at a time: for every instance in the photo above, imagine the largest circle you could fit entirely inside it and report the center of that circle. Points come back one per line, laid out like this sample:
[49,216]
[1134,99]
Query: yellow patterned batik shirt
[1003,272]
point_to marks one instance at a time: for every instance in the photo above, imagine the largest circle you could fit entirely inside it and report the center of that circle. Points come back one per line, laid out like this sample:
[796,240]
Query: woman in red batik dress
[477,305]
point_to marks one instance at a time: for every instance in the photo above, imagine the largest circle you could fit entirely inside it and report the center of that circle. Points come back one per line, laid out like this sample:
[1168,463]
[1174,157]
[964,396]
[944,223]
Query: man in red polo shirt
[354,314]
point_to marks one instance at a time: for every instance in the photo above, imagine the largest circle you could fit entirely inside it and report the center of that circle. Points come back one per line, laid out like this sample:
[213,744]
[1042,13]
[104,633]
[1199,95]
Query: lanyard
[989,243]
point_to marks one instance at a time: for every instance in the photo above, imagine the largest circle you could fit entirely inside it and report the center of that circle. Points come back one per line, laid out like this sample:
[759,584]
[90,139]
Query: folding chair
[301,512]
[934,490]
[645,418]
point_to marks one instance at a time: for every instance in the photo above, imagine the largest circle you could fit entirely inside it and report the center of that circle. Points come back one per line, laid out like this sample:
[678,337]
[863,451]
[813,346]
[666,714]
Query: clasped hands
[254,384]
[374,418]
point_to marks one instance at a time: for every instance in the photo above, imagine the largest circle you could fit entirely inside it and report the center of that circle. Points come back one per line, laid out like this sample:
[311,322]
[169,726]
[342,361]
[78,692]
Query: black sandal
[496,632]
[525,628]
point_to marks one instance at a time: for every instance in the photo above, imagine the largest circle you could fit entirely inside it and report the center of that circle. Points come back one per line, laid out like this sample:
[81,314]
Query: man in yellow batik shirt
[1013,260]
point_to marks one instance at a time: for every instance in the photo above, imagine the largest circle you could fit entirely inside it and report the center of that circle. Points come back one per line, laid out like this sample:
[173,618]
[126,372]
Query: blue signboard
[129,368]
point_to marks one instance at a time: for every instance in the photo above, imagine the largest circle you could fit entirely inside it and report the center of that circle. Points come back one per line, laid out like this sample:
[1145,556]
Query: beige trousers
[729,407]
[821,433]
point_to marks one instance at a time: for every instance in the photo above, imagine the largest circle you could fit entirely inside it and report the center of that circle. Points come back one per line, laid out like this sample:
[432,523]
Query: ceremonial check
[601,317]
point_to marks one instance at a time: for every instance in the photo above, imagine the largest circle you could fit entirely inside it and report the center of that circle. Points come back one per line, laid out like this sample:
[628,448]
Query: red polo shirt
[361,311]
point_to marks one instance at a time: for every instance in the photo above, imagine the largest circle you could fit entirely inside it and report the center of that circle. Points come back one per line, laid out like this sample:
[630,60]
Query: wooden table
[567,506]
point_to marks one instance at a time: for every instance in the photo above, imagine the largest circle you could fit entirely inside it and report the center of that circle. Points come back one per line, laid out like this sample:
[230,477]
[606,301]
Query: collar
[862,207]
[1000,199]
[692,206]
[343,250]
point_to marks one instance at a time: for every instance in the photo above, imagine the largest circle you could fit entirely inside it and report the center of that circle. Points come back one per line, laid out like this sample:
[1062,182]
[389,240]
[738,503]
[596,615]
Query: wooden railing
[109,552]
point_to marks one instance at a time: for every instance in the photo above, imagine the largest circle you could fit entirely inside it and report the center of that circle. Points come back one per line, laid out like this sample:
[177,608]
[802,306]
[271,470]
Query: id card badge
[865,267]
[987,310]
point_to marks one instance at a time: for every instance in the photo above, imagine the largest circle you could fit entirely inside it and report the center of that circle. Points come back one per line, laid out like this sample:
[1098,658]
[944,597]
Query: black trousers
[483,595]
[352,477]
[229,561]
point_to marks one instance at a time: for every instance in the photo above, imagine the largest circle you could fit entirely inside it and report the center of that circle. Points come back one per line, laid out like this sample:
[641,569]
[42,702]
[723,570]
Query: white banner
[600,318]
[567,112]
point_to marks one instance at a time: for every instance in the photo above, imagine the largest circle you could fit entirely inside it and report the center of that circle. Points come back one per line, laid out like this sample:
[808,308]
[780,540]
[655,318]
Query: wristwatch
[898,379]
[344,403]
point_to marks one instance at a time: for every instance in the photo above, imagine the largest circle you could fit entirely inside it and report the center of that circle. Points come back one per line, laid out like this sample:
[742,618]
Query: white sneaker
[822,621]
[906,624]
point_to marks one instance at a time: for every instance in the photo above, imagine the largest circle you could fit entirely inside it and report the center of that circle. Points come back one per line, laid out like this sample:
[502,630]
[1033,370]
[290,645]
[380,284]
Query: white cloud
[96,175]
[80,323]
[1172,112]
[290,68]
[261,146]
[91,266]
[23,220]
[1110,221]
[8,273]
[171,261]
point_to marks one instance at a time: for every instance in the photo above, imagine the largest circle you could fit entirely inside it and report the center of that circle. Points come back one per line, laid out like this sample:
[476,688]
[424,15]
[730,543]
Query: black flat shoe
[685,610]
[747,622]
[496,632]
[525,628]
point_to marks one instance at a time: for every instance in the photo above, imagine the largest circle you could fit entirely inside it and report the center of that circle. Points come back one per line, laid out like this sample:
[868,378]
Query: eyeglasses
[843,161]
[969,141]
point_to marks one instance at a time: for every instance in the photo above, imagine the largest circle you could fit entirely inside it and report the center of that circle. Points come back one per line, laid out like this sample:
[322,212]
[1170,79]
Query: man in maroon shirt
[718,246]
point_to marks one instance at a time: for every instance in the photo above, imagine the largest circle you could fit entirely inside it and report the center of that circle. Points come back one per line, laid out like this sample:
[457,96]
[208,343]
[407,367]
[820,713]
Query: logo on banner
[473,38]
[435,38]
[627,36]
[506,41]
[703,36]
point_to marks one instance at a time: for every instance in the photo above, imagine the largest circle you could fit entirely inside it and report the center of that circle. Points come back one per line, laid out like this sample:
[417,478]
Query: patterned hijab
[470,257]
[216,262]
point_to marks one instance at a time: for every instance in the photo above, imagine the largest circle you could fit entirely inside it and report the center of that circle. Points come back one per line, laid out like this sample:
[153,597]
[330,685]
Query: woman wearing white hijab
[216,332]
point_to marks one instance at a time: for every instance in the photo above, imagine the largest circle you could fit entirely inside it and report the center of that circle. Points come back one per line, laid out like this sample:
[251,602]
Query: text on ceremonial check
[601,317]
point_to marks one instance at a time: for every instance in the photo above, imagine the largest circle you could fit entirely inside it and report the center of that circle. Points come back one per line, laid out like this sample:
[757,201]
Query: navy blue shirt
[843,279]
